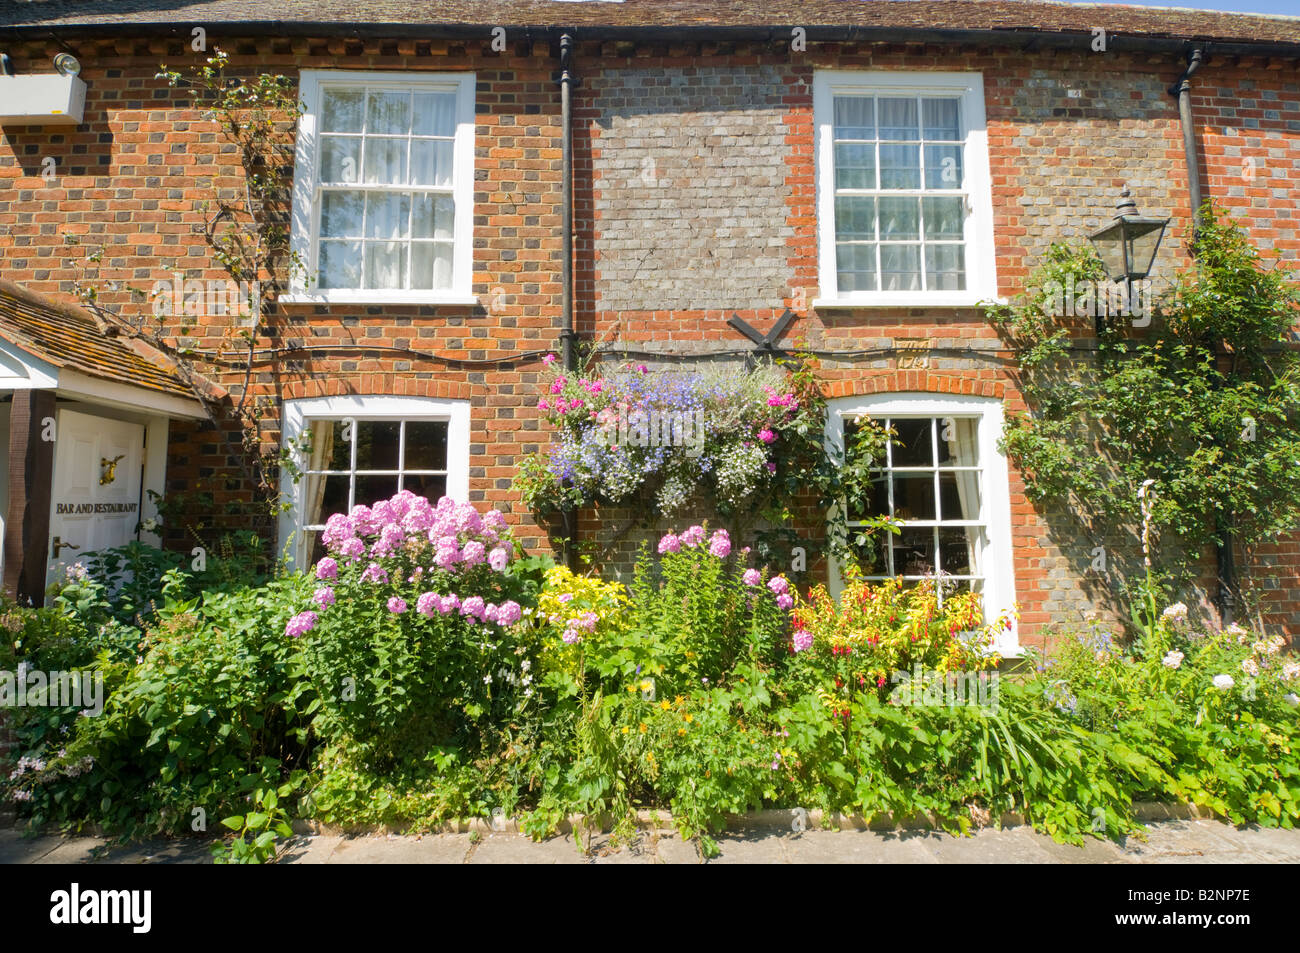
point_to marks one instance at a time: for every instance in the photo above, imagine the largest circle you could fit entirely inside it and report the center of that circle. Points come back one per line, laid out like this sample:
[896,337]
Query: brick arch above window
[394,384]
[912,381]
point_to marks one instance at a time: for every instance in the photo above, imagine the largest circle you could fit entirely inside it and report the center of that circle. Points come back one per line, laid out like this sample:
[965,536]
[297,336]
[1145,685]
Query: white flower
[1224,682]
[487,679]
[525,665]
[1292,699]
[149,525]
[1241,634]
[1290,670]
[1176,612]
[1250,666]
[1172,660]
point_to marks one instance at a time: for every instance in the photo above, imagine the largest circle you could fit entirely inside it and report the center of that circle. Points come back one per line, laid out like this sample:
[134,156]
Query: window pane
[385,265]
[942,119]
[434,114]
[943,168]
[340,159]
[959,495]
[876,502]
[898,118]
[855,267]
[426,445]
[914,496]
[432,487]
[945,267]
[900,267]
[434,217]
[385,162]
[372,489]
[335,498]
[387,214]
[914,551]
[855,166]
[900,167]
[341,450]
[340,214]
[431,162]
[388,113]
[957,549]
[854,117]
[900,219]
[341,110]
[855,218]
[911,446]
[431,264]
[872,552]
[377,444]
[944,218]
[958,441]
[340,265]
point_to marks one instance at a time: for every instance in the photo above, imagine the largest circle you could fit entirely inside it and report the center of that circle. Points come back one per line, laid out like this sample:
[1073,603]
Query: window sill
[375,298]
[959,299]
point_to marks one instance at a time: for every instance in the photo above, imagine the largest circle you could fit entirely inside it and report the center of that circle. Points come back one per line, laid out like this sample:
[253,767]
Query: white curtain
[963,449]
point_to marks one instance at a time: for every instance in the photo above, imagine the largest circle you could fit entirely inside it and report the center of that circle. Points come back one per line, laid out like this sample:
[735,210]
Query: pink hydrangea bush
[412,637]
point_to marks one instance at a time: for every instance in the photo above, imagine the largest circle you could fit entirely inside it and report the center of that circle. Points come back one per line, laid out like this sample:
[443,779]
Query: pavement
[1166,842]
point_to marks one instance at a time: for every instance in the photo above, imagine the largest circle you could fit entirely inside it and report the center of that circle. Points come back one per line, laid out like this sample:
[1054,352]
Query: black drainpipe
[1182,89]
[567,335]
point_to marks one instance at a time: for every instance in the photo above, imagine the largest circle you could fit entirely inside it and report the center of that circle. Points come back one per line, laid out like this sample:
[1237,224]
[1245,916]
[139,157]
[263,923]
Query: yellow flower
[664,704]
[626,729]
[689,717]
[680,732]
[647,685]
[679,700]
[631,688]
[642,729]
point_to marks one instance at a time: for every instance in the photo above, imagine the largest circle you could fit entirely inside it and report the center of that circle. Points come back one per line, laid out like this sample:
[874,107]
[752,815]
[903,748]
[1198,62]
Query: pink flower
[327,568]
[396,606]
[557,385]
[449,604]
[473,606]
[543,405]
[752,577]
[473,553]
[720,544]
[498,558]
[803,640]
[323,597]
[784,601]
[779,585]
[352,548]
[427,604]
[549,359]
[509,613]
[693,536]
[670,544]
[375,573]
[300,624]
[766,435]
[562,406]
[490,612]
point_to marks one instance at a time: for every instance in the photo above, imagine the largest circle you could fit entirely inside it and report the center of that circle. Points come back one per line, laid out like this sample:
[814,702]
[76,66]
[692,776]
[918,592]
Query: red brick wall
[134,175]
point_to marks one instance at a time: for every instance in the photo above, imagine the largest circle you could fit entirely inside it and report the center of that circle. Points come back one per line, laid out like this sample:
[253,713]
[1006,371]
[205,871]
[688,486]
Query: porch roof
[66,336]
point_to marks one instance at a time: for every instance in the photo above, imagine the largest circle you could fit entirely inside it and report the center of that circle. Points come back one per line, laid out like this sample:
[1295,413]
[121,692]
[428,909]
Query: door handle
[60,544]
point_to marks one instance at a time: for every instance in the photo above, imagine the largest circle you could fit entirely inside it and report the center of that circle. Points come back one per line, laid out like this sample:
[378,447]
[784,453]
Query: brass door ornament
[108,469]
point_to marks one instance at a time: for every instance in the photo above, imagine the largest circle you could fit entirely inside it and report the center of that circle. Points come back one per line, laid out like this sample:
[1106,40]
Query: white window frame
[304,238]
[999,574]
[981,273]
[300,414]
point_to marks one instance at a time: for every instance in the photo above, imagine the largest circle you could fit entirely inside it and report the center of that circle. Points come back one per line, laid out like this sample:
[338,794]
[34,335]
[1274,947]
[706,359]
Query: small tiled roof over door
[70,337]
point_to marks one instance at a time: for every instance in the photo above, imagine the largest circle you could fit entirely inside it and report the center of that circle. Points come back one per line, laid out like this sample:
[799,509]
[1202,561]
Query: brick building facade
[704,138]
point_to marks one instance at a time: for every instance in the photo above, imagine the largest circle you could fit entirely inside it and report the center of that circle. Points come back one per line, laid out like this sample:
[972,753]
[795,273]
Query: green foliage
[257,832]
[1206,403]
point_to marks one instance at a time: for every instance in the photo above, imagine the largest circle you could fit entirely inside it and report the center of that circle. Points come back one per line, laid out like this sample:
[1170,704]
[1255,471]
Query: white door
[95,503]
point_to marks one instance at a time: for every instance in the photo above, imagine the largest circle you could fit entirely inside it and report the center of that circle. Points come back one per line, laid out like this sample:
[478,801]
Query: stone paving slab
[1166,842]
